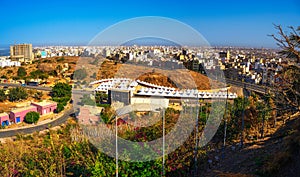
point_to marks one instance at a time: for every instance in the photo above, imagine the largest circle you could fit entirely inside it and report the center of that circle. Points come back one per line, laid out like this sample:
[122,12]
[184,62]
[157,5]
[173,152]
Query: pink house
[4,119]
[18,115]
[45,107]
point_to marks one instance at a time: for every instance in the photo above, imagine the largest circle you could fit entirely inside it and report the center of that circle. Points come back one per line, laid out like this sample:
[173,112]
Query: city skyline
[227,23]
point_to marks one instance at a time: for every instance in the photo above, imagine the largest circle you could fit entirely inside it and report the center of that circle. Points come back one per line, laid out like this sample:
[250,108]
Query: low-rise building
[8,63]
[45,107]
[18,115]
[4,119]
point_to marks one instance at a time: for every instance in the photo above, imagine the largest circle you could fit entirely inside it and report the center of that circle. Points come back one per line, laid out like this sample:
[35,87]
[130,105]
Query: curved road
[28,130]
[248,86]
[74,91]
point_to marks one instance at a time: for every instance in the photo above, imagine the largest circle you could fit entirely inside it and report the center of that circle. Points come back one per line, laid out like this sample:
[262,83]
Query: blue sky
[234,23]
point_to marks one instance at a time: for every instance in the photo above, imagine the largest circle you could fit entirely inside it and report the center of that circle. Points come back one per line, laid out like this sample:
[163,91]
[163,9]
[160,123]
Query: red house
[45,107]
[18,115]
[4,119]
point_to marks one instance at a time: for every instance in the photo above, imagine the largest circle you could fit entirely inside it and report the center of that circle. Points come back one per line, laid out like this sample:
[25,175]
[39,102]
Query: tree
[59,69]
[38,74]
[22,72]
[17,94]
[80,74]
[61,59]
[289,43]
[59,108]
[290,77]
[32,117]
[3,96]
[53,73]
[61,93]
[101,97]
[61,90]
[38,95]
[264,112]
[4,77]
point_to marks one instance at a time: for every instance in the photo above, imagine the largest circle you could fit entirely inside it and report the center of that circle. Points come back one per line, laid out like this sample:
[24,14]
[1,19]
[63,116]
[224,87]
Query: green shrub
[32,117]
[3,97]
[17,94]
[60,59]
[22,72]
[60,107]
[80,74]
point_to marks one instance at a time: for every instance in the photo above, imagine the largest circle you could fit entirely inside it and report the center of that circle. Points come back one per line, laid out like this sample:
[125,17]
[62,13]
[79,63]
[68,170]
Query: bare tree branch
[288,44]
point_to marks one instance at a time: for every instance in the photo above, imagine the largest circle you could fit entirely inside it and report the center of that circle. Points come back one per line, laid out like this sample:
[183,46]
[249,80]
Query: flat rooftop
[22,109]
[43,103]
[3,114]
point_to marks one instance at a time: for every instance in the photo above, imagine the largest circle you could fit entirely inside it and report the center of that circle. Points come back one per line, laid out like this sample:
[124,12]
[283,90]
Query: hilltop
[180,78]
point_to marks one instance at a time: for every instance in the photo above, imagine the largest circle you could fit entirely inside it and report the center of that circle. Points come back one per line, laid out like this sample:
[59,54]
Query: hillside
[45,65]
[181,78]
[276,155]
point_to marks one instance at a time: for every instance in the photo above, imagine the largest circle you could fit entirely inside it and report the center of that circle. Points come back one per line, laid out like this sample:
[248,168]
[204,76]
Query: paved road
[248,86]
[28,130]
[74,91]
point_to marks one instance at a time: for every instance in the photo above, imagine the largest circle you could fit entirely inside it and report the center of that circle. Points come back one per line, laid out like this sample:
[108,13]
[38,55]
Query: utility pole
[163,144]
[196,137]
[225,124]
[117,158]
[206,112]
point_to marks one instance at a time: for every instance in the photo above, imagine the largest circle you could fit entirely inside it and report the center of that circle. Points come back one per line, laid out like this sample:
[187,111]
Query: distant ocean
[4,51]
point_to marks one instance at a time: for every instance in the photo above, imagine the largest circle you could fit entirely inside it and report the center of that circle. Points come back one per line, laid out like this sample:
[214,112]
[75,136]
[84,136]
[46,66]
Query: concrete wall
[164,102]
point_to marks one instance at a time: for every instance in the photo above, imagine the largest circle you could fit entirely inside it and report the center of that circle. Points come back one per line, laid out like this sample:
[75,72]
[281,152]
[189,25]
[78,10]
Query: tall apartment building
[22,53]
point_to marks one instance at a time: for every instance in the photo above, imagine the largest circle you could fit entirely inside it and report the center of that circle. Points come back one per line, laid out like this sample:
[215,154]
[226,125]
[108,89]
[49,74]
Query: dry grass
[6,106]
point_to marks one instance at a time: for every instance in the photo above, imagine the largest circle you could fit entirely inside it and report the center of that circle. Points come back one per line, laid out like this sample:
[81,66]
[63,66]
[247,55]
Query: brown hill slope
[181,78]
[275,155]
